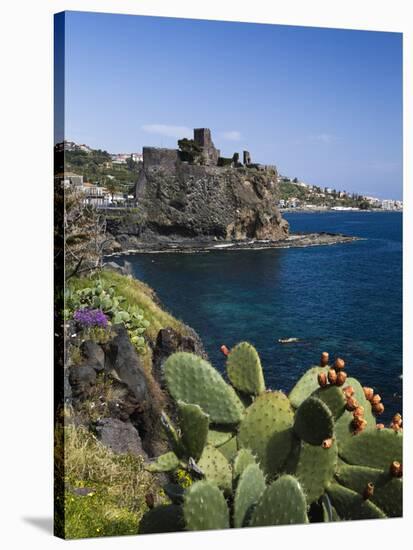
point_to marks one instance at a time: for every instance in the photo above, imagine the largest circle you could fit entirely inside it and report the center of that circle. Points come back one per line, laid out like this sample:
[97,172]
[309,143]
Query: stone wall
[157,157]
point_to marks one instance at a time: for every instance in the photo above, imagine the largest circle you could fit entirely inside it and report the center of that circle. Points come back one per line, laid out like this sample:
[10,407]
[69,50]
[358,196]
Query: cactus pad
[306,385]
[193,380]
[164,463]
[250,487]
[244,369]
[194,426]
[216,468]
[387,493]
[351,505]
[243,458]
[229,449]
[313,466]
[266,430]
[205,507]
[282,502]
[374,448]
[333,397]
[313,421]
[219,437]
[162,519]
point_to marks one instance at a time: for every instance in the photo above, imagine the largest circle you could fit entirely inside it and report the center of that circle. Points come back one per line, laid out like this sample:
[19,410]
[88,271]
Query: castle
[206,154]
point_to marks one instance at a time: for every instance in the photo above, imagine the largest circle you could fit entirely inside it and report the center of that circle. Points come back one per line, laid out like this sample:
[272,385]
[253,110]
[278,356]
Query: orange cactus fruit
[332,376]
[376,399]
[324,359]
[396,469]
[224,350]
[326,444]
[397,419]
[368,392]
[351,404]
[349,391]
[358,411]
[378,408]
[341,378]
[380,426]
[396,427]
[322,379]
[368,491]
[339,363]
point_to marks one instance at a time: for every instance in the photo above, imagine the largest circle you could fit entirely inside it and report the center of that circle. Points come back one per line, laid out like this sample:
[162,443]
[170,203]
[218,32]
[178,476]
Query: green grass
[137,293]
[116,486]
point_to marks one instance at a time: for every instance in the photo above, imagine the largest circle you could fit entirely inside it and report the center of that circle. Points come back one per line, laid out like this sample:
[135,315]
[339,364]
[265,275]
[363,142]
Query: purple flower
[90,318]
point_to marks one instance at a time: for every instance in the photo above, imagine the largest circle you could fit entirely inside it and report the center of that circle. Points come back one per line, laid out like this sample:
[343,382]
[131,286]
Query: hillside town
[113,180]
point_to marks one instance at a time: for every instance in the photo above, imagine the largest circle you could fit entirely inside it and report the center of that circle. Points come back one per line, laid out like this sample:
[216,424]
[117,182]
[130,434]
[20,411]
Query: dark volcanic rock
[82,378]
[121,357]
[187,201]
[120,437]
[169,341]
[93,354]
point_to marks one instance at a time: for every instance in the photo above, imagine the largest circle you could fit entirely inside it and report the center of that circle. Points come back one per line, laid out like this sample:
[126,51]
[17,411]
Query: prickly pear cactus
[194,426]
[305,386]
[250,486]
[351,505]
[244,369]
[216,468]
[164,463]
[205,507]
[377,449]
[193,380]
[314,421]
[243,458]
[267,430]
[314,466]
[282,502]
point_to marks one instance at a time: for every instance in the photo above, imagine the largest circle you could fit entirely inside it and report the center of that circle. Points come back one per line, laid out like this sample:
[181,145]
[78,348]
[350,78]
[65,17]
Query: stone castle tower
[202,137]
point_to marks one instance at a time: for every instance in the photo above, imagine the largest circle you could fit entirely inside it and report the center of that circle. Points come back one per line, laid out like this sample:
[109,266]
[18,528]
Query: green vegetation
[189,151]
[318,456]
[135,294]
[318,196]
[97,167]
[104,493]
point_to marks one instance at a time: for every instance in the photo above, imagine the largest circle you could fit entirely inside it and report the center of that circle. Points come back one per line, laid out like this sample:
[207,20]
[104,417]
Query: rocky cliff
[179,201]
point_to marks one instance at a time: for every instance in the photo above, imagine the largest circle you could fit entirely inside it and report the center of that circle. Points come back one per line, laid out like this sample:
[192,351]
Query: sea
[345,299]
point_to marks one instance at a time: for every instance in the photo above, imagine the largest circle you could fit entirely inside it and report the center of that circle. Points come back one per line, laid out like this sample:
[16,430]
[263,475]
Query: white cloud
[322,138]
[231,135]
[168,130]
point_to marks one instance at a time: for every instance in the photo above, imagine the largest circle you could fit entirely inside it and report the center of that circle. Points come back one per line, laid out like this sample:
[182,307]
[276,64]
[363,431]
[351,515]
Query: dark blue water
[345,299]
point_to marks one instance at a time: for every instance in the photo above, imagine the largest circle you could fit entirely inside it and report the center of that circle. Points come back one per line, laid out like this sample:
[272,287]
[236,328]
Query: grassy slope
[118,484]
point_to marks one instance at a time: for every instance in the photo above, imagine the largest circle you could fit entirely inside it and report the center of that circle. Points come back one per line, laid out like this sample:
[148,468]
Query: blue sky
[324,105]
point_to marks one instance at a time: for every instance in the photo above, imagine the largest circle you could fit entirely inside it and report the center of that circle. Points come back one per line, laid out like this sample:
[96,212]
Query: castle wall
[160,158]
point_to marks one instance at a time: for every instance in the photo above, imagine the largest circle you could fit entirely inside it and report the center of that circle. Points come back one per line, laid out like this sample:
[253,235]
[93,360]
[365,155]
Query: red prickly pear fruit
[326,444]
[397,419]
[351,404]
[322,379]
[380,426]
[349,391]
[378,408]
[396,469]
[332,376]
[358,412]
[376,399]
[224,350]
[324,359]
[359,425]
[339,363]
[341,378]
[368,392]
[368,491]
[396,427]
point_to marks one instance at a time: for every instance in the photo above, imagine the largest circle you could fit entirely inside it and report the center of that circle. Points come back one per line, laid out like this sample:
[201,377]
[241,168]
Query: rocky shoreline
[190,246]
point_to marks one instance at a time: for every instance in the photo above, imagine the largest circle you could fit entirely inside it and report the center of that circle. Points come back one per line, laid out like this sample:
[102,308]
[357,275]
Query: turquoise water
[345,299]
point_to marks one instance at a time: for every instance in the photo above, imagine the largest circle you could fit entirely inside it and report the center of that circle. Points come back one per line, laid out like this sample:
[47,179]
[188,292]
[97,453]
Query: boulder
[93,354]
[120,437]
[81,378]
[121,357]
